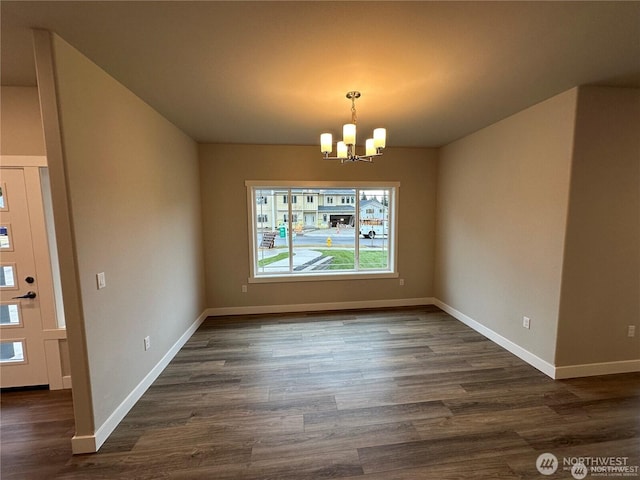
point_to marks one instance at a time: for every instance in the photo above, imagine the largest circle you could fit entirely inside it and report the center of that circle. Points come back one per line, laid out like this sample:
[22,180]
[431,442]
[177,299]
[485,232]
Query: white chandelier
[346,148]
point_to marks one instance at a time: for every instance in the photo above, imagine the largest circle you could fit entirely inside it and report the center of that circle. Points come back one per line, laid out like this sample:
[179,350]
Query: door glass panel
[7,277]
[5,241]
[12,351]
[9,314]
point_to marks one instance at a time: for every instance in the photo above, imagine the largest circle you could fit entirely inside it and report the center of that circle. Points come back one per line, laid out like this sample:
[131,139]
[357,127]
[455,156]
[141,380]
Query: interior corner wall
[500,223]
[224,169]
[601,275]
[133,189]
[20,122]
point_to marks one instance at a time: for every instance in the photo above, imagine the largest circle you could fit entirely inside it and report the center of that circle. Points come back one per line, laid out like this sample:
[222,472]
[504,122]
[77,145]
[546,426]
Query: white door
[22,349]
[309,220]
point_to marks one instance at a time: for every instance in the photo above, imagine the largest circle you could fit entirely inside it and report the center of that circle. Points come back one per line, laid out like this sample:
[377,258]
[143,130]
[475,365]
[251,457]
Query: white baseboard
[557,373]
[66,382]
[592,369]
[505,343]
[91,443]
[316,307]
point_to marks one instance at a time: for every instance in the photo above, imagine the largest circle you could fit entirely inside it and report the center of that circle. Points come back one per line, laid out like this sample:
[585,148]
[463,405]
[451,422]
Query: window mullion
[289,229]
[356,225]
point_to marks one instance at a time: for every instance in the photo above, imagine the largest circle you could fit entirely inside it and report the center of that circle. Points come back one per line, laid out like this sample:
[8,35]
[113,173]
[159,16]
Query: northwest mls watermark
[581,467]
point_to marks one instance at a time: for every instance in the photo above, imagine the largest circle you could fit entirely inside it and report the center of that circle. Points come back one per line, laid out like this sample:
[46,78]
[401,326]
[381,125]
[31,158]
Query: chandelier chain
[354,116]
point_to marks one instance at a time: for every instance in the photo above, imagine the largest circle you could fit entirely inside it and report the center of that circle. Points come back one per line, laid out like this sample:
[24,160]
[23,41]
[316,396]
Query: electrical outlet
[402,282]
[244,289]
[526,322]
[147,343]
[631,331]
[102,281]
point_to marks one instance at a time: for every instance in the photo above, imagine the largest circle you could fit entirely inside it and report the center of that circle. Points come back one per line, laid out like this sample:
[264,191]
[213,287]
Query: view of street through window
[300,231]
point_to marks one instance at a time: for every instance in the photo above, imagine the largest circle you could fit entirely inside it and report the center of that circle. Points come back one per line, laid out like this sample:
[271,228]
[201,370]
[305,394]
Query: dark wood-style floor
[368,395]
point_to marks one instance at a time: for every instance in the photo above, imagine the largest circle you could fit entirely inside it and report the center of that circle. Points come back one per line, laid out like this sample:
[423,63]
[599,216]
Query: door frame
[55,344]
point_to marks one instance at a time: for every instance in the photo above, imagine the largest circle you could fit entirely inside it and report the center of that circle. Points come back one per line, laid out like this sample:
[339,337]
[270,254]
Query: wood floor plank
[476,469]
[331,440]
[500,421]
[374,415]
[448,449]
[397,395]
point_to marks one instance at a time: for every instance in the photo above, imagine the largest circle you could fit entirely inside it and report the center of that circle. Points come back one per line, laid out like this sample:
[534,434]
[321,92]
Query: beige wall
[133,188]
[224,169]
[20,122]
[601,277]
[501,213]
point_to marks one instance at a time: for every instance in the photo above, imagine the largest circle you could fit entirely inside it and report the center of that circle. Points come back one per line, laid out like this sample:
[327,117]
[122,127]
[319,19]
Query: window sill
[322,277]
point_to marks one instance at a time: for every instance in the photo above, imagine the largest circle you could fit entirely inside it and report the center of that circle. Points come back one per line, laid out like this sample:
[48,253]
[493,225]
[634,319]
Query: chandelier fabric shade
[345,149]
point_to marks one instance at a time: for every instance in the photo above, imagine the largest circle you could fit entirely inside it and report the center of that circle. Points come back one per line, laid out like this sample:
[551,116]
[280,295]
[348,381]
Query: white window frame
[391,272]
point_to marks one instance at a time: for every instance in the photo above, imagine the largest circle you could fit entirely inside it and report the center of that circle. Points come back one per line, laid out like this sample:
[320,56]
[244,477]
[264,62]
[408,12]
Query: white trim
[320,183]
[91,443]
[53,363]
[55,333]
[591,369]
[23,160]
[514,348]
[288,187]
[316,307]
[66,382]
[321,277]
[83,444]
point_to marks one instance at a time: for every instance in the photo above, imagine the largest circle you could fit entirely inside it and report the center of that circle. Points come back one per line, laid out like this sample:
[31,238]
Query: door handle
[27,295]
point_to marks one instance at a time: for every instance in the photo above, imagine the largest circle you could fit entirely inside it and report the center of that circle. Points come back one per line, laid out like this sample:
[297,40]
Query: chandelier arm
[353,158]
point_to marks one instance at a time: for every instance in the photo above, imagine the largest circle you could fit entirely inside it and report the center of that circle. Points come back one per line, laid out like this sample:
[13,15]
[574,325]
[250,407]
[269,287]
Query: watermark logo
[581,467]
[579,471]
[547,464]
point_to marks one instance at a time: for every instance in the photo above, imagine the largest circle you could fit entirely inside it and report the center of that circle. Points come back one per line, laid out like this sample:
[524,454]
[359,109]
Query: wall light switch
[526,322]
[102,281]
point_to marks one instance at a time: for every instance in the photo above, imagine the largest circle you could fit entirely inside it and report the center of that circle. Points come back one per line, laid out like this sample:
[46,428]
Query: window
[351,240]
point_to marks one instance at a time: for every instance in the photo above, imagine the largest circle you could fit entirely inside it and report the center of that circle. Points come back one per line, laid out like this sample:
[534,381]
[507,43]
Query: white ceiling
[278,72]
